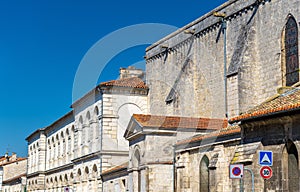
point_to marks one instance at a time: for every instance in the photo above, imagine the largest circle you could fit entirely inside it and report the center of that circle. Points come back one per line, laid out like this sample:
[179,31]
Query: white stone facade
[73,151]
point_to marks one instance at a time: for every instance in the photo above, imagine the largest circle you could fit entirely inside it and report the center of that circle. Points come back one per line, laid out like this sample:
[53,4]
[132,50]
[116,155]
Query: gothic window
[137,174]
[79,175]
[86,173]
[95,171]
[293,176]
[81,136]
[291,51]
[204,174]
[291,167]
[96,127]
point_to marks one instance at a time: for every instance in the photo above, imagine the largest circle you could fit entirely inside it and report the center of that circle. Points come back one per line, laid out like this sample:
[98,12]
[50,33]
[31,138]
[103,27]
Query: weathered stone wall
[193,66]
[14,169]
[160,178]
[188,168]
[119,184]
[277,135]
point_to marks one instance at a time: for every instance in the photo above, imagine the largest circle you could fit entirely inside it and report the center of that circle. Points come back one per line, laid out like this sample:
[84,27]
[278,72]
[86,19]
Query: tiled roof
[115,169]
[171,122]
[132,82]
[287,101]
[231,129]
[13,161]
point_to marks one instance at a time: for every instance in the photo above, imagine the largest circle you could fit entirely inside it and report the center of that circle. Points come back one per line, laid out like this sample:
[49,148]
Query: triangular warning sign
[265,159]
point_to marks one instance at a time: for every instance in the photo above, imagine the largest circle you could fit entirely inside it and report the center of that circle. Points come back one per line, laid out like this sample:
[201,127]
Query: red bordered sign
[266,172]
[236,171]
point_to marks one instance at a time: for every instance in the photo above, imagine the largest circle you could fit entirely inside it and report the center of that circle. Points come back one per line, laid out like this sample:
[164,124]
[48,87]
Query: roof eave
[268,115]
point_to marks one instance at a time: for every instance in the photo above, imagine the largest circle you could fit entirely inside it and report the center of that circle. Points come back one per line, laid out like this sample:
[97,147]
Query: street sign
[266,172]
[236,171]
[265,158]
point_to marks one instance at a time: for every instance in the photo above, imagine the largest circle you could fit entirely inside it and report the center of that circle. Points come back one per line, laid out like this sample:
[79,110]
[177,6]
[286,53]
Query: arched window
[71,178]
[60,180]
[96,127]
[81,136]
[79,175]
[291,167]
[51,181]
[66,179]
[55,181]
[86,173]
[95,171]
[204,174]
[89,131]
[136,161]
[291,56]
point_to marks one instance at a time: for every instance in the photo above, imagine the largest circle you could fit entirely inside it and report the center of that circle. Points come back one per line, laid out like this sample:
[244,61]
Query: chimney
[13,156]
[131,72]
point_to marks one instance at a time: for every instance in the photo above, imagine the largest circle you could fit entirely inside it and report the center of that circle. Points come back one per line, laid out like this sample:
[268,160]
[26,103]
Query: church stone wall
[193,64]
[188,168]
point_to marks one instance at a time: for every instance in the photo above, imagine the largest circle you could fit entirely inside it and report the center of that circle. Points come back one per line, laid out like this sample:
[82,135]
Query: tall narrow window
[137,174]
[293,169]
[291,51]
[290,167]
[204,174]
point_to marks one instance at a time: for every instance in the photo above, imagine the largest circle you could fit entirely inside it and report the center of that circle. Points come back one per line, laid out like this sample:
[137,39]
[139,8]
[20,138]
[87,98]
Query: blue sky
[43,42]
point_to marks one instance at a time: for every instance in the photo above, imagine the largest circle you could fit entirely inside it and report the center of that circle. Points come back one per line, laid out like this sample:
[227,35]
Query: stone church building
[257,93]
[218,91]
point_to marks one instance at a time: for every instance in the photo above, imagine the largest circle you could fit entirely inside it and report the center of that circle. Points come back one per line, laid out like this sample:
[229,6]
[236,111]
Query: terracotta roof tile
[14,161]
[287,101]
[231,129]
[172,122]
[132,82]
[115,169]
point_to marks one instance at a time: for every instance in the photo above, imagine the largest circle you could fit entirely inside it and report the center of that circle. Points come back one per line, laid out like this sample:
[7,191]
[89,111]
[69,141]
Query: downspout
[174,169]
[224,26]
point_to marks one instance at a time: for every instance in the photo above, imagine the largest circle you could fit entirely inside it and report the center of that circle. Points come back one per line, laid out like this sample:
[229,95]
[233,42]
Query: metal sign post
[236,171]
[252,178]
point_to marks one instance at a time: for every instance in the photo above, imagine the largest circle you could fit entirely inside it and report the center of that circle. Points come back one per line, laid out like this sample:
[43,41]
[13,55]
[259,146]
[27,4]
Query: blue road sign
[265,158]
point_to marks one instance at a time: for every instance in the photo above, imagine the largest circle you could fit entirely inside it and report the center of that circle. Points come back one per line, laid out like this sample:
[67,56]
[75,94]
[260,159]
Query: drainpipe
[224,26]
[174,169]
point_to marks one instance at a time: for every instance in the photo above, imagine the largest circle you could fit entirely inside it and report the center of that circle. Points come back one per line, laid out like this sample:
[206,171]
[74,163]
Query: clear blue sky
[43,42]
